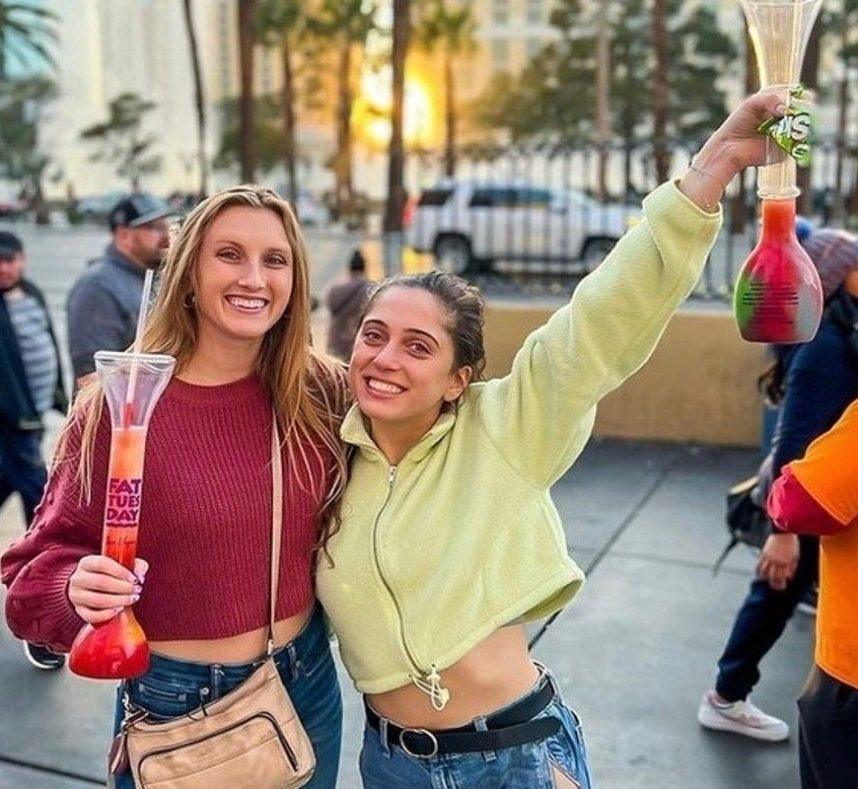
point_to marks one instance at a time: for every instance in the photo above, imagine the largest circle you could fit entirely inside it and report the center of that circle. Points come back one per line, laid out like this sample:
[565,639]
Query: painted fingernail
[134,598]
[138,590]
[141,576]
[781,109]
[119,610]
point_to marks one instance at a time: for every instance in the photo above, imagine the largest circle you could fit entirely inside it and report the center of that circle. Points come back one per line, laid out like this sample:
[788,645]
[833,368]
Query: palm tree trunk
[199,98]
[450,107]
[289,121]
[2,54]
[603,98]
[660,94]
[343,167]
[40,207]
[842,126]
[247,143]
[396,162]
[738,206]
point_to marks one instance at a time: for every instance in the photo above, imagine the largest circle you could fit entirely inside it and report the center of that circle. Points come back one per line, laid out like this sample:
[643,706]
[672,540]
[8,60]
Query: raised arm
[542,413]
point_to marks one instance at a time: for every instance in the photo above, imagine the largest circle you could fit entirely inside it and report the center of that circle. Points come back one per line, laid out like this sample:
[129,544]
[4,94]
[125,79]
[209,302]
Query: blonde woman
[233,310]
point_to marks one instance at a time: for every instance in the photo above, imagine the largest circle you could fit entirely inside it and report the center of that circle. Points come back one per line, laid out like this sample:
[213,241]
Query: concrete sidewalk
[633,653]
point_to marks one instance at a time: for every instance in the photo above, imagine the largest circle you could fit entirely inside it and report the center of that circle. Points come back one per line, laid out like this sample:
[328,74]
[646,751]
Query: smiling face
[402,366]
[244,276]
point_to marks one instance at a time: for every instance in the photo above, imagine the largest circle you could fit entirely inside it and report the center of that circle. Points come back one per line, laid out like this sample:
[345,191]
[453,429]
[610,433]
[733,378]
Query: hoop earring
[190,301]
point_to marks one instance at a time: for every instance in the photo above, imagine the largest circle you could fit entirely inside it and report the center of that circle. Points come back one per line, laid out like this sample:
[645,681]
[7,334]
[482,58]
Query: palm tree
[279,25]
[347,23]
[246,41]
[25,31]
[199,98]
[661,99]
[451,29]
[396,163]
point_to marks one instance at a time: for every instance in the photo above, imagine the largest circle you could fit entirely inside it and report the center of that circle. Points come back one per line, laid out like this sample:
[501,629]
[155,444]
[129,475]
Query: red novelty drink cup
[132,384]
[779,296]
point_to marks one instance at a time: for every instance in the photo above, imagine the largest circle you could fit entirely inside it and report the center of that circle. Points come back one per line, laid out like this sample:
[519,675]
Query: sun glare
[372,110]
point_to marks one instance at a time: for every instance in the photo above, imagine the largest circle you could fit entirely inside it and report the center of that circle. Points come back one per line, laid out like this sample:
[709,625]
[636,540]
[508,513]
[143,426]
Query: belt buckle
[432,738]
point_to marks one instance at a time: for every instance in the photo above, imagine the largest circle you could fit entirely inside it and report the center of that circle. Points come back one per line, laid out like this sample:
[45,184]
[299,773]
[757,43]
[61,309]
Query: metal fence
[534,215]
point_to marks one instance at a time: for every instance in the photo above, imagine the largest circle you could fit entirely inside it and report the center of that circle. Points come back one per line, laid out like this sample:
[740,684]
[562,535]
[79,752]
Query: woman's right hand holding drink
[100,587]
[736,145]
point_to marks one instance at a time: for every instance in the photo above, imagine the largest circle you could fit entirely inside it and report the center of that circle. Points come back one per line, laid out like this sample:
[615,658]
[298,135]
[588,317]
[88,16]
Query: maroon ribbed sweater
[205,524]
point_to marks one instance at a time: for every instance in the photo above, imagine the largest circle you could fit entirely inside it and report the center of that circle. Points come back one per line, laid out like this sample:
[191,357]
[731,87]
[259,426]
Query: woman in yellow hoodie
[449,540]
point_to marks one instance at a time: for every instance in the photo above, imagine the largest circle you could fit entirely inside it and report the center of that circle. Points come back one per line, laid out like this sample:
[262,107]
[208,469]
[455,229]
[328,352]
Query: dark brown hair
[463,304]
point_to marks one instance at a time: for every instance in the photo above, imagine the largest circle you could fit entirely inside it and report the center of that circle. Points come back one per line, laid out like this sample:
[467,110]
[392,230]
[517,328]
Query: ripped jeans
[557,761]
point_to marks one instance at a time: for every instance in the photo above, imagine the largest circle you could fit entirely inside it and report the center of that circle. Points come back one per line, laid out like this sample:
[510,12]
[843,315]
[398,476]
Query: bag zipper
[290,754]
[427,681]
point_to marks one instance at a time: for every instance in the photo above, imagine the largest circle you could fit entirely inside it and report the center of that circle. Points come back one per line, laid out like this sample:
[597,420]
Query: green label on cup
[794,133]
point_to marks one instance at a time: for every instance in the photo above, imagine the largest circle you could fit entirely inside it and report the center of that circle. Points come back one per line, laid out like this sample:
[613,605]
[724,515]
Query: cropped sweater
[461,537]
[205,524]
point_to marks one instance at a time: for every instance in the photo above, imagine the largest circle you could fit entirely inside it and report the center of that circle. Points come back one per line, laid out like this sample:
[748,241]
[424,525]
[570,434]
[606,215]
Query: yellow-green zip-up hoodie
[461,537]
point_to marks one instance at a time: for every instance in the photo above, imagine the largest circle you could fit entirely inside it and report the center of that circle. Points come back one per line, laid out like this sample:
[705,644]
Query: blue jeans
[760,622]
[22,468]
[172,688]
[530,766]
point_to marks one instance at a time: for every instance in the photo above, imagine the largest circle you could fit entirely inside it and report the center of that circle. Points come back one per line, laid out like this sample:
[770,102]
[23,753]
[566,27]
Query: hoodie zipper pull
[432,687]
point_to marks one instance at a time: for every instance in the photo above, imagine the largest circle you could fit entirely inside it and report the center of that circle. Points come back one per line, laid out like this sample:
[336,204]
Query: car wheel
[453,255]
[595,250]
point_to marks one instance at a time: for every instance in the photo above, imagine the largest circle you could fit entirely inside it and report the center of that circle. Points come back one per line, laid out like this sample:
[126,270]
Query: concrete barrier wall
[699,385]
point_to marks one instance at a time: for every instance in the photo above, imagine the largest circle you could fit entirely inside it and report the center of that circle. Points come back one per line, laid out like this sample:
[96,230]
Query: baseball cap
[137,210]
[10,245]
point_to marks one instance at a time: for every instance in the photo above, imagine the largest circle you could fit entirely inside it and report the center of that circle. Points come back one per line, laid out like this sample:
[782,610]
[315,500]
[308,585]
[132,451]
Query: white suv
[468,226]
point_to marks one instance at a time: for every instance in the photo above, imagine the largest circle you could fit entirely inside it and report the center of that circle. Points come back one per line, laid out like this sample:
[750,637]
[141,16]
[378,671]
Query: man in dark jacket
[345,302]
[103,305]
[31,384]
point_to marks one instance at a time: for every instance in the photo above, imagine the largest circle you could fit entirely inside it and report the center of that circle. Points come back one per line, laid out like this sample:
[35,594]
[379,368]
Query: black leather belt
[513,726]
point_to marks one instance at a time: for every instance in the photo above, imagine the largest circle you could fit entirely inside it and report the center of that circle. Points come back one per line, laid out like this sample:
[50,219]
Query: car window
[435,197]
[535,197]
[494,197]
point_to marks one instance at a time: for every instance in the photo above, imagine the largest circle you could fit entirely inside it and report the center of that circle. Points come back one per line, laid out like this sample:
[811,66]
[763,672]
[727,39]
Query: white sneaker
[740,717]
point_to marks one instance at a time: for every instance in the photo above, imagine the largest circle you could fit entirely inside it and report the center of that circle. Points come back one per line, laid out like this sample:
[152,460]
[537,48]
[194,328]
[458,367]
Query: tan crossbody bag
[251,737]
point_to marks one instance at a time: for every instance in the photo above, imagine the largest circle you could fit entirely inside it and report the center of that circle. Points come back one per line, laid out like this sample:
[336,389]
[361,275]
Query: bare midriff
[242,648]
[494,673]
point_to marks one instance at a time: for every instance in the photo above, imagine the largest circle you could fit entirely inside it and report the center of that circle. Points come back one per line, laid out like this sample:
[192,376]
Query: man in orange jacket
[819,495]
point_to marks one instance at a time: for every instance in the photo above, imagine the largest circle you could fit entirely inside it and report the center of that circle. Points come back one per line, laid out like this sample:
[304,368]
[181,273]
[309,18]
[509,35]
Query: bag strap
[276,527]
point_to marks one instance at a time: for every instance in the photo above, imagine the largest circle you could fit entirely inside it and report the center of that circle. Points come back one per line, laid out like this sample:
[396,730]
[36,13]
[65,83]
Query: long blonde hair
[307,388]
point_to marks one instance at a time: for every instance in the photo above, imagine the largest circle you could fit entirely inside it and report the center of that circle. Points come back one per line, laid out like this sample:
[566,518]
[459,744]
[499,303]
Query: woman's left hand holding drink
[100,587]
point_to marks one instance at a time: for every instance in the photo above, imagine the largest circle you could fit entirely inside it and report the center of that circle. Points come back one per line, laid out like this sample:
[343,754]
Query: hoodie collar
[354,431]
